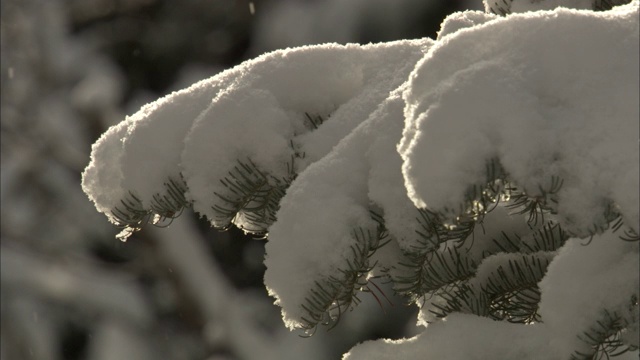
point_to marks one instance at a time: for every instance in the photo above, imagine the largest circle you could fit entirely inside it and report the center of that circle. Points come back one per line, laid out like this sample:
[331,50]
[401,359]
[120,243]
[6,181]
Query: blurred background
[69,289]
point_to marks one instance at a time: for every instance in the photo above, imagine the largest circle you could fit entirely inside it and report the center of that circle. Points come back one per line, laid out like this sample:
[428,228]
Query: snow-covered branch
[468,170]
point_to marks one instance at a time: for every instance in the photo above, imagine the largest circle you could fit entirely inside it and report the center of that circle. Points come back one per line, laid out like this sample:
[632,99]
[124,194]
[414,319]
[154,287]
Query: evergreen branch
[422,261]
[603,338]
[314,121]
[535,207]
[131,214]
[609,220]
[431,237]
[479,198]
[508,244]
[550,237]
[253,198]
[338,293]
[446,267]
[457,301]
[628,234]
[509,293]
[501,7]
[513,293]
[170,204]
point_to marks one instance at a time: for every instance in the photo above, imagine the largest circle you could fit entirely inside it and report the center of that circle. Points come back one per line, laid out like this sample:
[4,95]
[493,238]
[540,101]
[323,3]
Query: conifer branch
[479,198]
[550,237]
[332,296]
[430,262]
[501,7]
[314,121]
[253,197]
[456,301]
[535,207]
[604,338]
[630,235]
[509,293]
[513,293]
[433,235]
[131,215]
[172,201]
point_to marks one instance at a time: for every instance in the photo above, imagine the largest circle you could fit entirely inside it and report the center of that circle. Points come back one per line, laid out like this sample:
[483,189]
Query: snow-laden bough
[491,175]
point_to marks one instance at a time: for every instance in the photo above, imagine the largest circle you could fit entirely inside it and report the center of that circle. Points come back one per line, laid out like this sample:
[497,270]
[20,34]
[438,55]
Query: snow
[334,189]
[345,21]
[154,140]
[581,280]
[533,100]
[141,154]
[340,204]
[271,100]
[461,20]
[102,178]
[385,183]
[405,125]
[483,339]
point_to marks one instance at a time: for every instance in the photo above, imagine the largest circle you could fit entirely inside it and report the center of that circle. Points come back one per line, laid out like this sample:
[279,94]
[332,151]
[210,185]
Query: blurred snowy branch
[32,283]
[227,315]
[76,285]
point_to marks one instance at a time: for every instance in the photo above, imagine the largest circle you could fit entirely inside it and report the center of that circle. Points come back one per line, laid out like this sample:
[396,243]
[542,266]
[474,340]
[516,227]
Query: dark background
[72,68]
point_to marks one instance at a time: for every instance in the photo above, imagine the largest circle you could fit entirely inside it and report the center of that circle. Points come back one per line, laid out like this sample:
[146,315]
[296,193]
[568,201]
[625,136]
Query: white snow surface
[338,190]
[142,153]
[154,140]
[262,116]
[529,89]
[362,171]
[412,124]
[102,178]
[580,282]
[461,20]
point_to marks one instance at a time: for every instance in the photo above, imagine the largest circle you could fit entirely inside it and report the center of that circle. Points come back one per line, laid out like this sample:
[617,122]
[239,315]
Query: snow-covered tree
[490,175]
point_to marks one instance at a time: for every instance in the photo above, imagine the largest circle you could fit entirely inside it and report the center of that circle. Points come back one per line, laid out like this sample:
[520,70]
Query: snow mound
[548,94]
[336,150]
[288,109]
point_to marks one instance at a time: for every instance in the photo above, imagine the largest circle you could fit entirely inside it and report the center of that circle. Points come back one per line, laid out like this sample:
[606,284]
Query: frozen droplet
[125,233]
